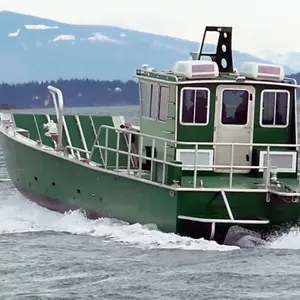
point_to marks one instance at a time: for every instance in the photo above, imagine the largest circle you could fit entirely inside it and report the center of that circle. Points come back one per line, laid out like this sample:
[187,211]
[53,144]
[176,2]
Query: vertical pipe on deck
[164,163]
[231,166]
[118,149]
[106,145]
[141,142]
[195,166]
[152,156]
[268,167]
[129,151]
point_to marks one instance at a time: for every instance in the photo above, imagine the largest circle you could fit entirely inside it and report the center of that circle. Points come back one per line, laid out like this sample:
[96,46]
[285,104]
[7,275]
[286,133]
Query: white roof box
[260,71]
[196,69]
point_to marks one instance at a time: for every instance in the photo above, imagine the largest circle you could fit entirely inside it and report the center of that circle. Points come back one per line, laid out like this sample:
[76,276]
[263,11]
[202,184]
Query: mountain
[36,49]
[291,59]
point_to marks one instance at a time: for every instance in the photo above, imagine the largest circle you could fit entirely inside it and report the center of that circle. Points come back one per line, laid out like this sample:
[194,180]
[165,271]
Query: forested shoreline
[77,93]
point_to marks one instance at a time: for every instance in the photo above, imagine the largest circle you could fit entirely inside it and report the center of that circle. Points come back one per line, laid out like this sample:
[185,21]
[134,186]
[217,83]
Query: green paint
[198,134]
[110,195]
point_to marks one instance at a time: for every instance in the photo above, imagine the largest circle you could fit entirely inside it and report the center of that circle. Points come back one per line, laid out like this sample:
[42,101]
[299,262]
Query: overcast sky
[257,24]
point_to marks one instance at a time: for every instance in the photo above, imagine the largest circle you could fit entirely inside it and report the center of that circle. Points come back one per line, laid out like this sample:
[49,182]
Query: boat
[216,148]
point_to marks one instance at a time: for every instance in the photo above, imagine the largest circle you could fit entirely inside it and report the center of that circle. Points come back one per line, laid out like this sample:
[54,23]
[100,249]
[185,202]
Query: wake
[18,215]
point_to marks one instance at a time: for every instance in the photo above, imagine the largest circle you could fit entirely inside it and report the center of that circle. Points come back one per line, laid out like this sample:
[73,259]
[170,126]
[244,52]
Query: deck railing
[165,163]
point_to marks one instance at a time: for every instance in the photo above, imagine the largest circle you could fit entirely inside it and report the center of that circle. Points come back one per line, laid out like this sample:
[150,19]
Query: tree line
[76,92]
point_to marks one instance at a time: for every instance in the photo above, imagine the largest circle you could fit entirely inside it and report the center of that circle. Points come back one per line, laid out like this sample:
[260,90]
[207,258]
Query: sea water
[47,255]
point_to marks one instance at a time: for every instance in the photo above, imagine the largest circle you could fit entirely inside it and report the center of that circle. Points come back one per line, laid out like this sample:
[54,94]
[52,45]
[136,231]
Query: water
[47,255]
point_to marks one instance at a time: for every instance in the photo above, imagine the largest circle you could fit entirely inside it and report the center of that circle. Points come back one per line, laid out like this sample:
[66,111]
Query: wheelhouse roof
[168,77]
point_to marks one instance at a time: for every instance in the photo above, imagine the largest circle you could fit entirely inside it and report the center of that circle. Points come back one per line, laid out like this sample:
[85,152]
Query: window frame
[181,106]
[221,109]
[156,107]
[143,82]
[159,103]
[150,100]
[287,113]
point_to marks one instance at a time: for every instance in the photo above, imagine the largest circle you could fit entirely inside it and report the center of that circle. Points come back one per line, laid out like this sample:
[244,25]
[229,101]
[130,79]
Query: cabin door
[234,113]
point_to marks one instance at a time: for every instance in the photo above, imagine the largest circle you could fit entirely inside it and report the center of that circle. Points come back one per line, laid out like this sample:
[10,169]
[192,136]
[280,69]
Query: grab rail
[196,167]
[59,107]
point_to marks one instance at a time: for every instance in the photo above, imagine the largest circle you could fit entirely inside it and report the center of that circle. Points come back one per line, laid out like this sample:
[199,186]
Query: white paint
[292,154]
[204,158]
[232,133]
[252,70]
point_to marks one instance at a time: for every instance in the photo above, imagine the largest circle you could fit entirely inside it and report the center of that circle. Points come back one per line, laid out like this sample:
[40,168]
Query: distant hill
[36,49]
[77,93]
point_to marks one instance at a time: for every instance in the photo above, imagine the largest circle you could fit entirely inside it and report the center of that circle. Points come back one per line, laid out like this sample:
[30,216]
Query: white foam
[18,215]
[290,240]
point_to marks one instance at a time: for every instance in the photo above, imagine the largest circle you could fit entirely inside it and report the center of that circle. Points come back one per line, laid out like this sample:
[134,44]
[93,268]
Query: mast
[223,54]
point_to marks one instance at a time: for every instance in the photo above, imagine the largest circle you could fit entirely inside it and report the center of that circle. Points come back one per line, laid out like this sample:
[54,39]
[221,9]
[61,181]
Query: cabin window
[154,101]
[235,107]
[163,103]
[149,94]
[194,106]
[145,94]
[274,108]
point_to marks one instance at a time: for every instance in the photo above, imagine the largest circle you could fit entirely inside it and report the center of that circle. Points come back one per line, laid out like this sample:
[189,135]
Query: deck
[99,141]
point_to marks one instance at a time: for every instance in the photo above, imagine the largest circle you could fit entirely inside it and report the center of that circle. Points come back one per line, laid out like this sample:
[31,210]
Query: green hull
[60,183]
[50,180]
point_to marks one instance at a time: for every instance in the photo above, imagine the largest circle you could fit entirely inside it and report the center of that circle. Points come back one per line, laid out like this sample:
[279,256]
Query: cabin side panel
[158,116]
[195,113]
[274,121]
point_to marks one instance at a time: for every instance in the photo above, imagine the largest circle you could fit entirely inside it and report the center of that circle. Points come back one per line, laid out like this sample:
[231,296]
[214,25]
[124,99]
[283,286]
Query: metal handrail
[87,152]
[59,107]
[167,142]
[193,143]
[164,162]
[198,167]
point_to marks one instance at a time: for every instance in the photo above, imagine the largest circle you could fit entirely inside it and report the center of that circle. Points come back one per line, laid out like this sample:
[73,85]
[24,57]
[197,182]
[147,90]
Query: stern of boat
[210,212]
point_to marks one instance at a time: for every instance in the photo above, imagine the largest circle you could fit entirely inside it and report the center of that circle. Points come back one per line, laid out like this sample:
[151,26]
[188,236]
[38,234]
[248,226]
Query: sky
[257,24]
